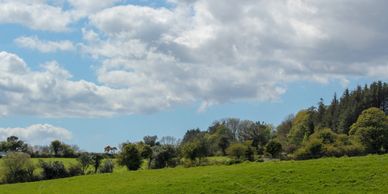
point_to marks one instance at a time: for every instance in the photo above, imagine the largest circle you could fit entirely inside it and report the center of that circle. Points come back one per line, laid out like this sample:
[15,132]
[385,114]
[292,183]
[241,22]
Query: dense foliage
[18,168]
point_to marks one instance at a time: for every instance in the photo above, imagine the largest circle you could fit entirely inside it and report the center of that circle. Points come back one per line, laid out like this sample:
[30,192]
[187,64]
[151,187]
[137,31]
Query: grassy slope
[344,175]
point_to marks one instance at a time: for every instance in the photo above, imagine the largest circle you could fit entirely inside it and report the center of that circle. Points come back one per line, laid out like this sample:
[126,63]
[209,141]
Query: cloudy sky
[97,72]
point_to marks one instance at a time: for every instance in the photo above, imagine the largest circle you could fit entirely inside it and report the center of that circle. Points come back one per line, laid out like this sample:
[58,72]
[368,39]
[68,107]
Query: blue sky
[93,74]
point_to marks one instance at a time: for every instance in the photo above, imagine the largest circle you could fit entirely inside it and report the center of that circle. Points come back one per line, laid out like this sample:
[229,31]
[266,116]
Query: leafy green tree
[219,137]
[67,151]
[372,130]
[259,133]
[130,157]
[283,130]
[84,160]
[150,140]
[96,161]
[194,150]
[164,156]
[189,150]
[13,144]
[55,147]
[301,126]
[223,143]
[274,148]
[193,135]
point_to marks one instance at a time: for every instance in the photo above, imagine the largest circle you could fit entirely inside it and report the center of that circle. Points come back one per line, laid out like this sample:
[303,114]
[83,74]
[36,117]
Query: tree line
[354,124]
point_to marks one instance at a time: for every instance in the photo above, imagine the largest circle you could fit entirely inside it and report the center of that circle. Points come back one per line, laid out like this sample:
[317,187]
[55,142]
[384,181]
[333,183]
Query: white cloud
[36,15]
[90,6]
[38,134]
[43,45]
[211,52]
[217,51]
[50,92]
[135,21]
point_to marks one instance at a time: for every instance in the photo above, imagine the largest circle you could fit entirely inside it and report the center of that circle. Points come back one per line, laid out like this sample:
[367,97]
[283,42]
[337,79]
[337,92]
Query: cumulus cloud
[217,51]
[90,6]
[43,45]
[51,92]
[38,134]
[212,52]
[36,15]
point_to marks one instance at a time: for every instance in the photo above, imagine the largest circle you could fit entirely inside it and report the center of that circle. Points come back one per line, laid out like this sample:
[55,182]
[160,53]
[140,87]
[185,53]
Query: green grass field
[330,175]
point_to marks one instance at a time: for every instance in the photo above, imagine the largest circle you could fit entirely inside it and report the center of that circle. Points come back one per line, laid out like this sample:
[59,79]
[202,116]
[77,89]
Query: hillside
[328,175]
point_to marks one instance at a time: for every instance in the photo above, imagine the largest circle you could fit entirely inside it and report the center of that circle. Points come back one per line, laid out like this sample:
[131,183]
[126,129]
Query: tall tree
[130,157]
[55,147]
[150,140]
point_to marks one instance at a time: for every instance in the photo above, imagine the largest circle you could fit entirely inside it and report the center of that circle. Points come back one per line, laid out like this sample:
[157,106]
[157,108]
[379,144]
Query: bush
[236,150]
[327,143]
[274,148]
[355,149]
[313,149]
[18,167]
[53,170]
[107,167]
[332,151]
[75,170]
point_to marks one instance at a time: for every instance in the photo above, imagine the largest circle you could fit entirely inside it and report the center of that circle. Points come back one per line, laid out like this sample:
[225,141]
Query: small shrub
[75,170]
[313,149]
[274,148]
[354,150]
[236,150]
[107,167]
[332,151]
[53,170]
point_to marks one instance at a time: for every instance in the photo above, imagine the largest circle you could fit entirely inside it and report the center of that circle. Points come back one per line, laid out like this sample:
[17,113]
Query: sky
[101,72]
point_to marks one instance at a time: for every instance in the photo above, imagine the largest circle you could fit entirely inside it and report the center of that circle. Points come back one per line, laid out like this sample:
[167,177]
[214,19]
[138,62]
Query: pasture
[367,174]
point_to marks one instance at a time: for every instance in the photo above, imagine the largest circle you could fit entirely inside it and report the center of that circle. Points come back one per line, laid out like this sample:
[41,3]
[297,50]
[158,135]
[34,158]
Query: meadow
[367,174]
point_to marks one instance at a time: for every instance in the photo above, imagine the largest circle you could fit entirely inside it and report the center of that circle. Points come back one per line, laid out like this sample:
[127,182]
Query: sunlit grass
[367,174]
